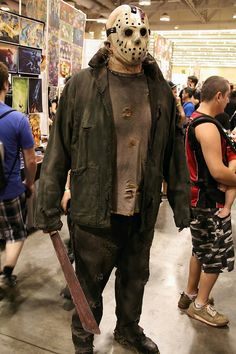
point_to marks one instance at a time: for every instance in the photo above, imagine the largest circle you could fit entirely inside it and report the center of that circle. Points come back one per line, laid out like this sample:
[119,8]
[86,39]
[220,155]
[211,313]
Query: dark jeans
[97,252]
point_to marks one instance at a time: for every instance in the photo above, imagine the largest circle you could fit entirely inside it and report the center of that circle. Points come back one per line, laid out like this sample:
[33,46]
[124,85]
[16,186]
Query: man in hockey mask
[128,33]
[115,131]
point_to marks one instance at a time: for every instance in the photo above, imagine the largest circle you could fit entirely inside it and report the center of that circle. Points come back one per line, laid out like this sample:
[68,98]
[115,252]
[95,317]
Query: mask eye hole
[143,32]
[128,32]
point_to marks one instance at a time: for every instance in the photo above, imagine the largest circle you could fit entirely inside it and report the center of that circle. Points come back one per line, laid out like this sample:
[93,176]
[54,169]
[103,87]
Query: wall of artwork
[65,28]
[162,52]
[41,47]
[21,43]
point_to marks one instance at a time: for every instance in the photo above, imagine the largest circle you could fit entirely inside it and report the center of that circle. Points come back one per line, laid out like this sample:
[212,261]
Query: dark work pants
[97,252]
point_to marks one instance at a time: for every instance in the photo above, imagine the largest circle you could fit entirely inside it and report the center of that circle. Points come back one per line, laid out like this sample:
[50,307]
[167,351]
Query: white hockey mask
[128,32]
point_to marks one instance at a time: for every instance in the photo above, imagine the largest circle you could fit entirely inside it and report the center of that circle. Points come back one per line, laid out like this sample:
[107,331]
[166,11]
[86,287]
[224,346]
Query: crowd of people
[119,129]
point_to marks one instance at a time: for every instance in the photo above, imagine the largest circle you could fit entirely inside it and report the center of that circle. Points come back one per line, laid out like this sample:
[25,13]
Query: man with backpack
[15,136]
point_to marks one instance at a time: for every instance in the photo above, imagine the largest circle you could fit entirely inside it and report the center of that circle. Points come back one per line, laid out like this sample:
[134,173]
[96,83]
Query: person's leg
[13,218]
[199,233]
[207,281]
[217,255]
[194,276]
[95,257]
[2,292]
[12,253]
[188,296]
[131,277]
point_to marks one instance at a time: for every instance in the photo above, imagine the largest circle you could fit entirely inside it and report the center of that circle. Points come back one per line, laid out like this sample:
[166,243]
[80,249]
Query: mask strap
[110,30]
[133,9]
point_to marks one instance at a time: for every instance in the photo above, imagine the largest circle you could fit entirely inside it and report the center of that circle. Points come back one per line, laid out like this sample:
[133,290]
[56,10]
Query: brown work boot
[136,341]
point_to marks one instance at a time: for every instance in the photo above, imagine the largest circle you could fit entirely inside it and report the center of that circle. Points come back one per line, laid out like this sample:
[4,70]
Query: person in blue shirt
[16,136]
[188,105]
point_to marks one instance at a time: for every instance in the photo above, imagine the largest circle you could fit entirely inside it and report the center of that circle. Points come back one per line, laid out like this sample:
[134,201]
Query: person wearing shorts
[16,136]
[212,240]
[208,158]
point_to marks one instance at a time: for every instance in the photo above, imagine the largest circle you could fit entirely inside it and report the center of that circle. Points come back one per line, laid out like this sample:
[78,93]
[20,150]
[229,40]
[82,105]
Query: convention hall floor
[33,319]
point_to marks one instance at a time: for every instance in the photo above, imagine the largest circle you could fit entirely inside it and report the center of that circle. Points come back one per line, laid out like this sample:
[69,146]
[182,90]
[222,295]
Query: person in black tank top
[213,249]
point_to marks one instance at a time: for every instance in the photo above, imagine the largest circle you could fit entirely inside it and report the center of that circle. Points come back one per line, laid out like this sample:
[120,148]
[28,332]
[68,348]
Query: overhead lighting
[4,6]
[144,2]
[101,20]
[165,17]
[176,27]
[234,16]
[98,20]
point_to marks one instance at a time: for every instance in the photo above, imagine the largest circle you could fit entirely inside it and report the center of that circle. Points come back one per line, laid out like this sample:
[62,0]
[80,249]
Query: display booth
[41,47]
[64,39]
[21,44]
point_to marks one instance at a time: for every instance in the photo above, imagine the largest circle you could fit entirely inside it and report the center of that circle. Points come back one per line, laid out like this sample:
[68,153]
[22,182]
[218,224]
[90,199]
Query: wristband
[178,104]
[67,189]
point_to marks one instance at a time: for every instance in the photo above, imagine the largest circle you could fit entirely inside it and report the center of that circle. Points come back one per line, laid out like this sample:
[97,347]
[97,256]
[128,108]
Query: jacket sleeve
[176,175]
[56,163]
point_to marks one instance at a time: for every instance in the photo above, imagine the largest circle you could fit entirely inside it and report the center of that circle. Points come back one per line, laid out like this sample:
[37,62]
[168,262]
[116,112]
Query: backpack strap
[207,119]
[17,155]
[6,113]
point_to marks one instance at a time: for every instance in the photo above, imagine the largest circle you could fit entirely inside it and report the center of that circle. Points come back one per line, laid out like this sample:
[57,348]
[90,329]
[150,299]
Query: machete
[81,304]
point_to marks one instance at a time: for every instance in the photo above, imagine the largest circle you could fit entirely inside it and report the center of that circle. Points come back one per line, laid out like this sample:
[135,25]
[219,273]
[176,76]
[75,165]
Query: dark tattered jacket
[83,140]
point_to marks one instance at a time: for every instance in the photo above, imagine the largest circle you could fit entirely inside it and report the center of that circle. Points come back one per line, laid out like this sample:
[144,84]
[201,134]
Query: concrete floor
[33,319]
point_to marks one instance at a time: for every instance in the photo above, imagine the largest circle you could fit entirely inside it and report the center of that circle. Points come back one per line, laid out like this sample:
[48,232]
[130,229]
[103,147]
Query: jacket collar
[150,67]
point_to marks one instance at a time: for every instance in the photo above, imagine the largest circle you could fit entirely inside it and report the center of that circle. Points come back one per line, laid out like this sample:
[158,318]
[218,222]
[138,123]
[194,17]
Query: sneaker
[2,294]
[185,301]
[9,282]
[208,315]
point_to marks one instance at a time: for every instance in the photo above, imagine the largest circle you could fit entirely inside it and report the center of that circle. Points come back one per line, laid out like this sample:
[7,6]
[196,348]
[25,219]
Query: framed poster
[9,27]
[76,59]
[79,20]
[65,50]
[9,56]
[35,95]
[66,32]
[53,57]
[54,14]
[65,68]
[20,90]
[34,119]
[36,9]
[67,13]
[78,37]
[29,61]
[31,33]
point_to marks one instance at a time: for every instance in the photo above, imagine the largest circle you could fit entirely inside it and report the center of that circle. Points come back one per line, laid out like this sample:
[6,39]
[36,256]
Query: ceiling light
[98,20]
[101,20]
[176,27]
[234,16]
[165,17]
[144,2]
[4,6]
